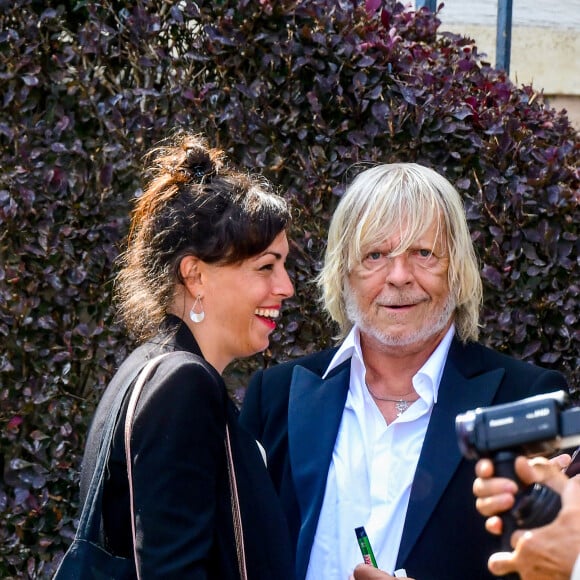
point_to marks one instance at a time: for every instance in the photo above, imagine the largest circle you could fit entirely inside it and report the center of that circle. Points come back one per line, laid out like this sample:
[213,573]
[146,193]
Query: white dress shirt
[576,570]
[372,468]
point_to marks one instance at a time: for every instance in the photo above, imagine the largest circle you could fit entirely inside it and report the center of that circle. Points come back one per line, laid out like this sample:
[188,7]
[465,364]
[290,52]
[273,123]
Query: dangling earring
[197,317]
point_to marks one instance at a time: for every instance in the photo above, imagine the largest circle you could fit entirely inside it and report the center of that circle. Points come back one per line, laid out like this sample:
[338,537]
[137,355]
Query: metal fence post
[430,4]
[503,39]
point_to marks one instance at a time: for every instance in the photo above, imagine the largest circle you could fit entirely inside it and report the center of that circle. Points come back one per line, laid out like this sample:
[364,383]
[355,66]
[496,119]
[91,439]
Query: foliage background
[307,92]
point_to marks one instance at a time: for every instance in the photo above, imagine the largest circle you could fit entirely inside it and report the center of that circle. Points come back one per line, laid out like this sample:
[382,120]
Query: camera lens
[536,506]
[464,428]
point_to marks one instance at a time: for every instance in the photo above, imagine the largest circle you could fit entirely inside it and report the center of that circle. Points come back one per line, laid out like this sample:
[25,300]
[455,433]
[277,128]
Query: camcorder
[539,425]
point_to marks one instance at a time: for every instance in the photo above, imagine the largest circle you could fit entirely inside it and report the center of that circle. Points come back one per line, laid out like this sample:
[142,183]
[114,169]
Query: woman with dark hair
[203,275]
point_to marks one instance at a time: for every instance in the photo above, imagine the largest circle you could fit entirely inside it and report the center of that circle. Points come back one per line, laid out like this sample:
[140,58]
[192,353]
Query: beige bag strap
[141,380]
[236,514]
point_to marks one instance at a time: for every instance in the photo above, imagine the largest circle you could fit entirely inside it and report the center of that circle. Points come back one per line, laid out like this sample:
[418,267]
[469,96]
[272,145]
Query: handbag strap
[143,377]
[235,502]
[236,513]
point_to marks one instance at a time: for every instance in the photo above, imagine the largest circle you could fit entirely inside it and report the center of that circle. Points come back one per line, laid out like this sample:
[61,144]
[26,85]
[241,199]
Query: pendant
[401,406]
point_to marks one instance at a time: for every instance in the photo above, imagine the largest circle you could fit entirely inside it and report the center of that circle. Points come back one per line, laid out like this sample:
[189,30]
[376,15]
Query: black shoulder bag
[86,557]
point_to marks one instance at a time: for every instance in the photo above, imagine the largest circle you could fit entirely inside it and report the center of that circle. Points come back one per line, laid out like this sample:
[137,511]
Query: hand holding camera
[546,553]
[495,495]
[527,490]
[536,426]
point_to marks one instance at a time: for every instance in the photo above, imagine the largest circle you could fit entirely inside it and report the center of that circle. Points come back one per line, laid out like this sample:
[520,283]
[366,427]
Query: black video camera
[539,425]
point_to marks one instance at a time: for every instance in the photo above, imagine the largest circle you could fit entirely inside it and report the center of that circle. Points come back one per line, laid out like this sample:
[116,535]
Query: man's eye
[374,256]
[425,253]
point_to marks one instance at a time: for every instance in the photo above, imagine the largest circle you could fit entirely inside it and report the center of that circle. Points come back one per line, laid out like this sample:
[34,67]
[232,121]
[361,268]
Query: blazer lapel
[314,415]
[440,455]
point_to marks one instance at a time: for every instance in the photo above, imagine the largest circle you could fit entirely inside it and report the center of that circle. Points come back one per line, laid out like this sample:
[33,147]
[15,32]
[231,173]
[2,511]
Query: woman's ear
[190,273]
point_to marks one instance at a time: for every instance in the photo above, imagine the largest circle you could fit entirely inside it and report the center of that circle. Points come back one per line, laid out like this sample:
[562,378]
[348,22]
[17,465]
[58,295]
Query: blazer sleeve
[177,450]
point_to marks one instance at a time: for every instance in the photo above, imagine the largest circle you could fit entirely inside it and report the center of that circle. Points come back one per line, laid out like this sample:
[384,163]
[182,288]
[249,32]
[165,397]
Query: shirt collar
[346,350]
[433,367]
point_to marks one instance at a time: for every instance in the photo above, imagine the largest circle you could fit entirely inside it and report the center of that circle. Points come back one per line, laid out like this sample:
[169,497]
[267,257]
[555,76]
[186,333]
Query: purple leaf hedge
[306,92]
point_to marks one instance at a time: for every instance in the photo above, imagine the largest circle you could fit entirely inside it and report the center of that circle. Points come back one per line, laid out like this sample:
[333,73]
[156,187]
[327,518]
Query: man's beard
[430,327]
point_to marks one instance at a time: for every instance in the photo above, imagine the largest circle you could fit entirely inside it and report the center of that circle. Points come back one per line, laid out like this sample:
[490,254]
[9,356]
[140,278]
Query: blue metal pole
[430,4]
[503,39]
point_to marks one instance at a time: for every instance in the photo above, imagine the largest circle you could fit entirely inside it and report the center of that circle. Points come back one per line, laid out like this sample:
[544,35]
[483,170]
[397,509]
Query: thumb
[529,471]
[571,492]
[501,563]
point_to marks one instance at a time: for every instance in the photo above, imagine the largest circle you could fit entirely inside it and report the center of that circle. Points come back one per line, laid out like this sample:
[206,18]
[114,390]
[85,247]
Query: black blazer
[180,479]
[296,415]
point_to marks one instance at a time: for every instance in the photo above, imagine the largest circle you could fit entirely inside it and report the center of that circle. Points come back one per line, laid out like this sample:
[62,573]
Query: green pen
[365,546]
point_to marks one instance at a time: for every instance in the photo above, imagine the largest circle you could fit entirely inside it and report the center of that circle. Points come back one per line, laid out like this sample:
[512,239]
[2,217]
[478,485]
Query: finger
[571,492]
[540,470]
[490,506]
[515,538]
[484,468]
[528,469]
[491,487]
[501,563]
[562,461]
[366,572]
[494,525]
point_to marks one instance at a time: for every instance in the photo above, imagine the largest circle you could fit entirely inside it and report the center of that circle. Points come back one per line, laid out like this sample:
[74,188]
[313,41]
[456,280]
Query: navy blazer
[296,415]
[180,477]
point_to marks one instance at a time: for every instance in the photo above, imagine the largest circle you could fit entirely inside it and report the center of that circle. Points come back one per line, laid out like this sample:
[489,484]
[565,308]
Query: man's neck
[390,369]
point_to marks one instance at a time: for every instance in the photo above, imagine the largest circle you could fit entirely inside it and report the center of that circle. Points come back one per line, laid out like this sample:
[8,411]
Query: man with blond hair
[364,434]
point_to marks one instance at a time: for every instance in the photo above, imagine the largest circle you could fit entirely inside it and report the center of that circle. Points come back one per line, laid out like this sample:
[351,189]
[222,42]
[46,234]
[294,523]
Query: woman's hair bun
[199,161]
[185,158]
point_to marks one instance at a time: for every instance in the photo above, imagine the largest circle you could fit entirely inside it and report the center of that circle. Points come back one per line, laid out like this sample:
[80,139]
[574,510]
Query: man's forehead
[407,235]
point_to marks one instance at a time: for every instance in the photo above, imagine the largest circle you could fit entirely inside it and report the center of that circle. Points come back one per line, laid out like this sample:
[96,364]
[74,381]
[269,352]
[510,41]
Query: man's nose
[399,270]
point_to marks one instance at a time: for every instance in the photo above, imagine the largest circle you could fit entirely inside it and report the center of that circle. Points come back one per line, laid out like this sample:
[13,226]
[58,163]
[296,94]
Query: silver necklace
[401,405]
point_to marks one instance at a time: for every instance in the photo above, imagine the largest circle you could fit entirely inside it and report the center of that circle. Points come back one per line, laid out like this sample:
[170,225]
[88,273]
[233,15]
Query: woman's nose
[285,287]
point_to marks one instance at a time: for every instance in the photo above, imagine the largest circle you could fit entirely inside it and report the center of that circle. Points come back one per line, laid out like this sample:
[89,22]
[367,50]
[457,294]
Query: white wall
[545,44]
